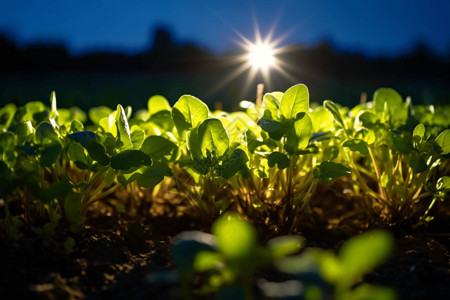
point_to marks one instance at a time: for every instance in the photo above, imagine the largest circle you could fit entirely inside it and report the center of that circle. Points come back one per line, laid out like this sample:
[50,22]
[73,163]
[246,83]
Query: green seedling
[228,258]
[358,256]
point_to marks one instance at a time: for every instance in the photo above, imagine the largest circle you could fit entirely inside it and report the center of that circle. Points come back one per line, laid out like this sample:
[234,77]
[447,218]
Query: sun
[261,56]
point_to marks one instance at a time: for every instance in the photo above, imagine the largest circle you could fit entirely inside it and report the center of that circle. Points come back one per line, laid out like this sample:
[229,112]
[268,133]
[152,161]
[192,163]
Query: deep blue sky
[373,27]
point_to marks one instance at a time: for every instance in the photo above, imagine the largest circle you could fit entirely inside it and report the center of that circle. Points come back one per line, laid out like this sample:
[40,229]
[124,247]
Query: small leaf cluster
[227,262]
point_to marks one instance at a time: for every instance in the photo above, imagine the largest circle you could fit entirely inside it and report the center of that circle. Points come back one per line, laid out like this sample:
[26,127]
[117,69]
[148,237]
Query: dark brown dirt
[116,256]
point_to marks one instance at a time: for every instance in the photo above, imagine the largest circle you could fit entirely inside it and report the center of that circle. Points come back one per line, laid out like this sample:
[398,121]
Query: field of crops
[281,200]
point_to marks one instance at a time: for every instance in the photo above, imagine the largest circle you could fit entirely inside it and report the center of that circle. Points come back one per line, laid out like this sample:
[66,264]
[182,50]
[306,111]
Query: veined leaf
[443,140]
[232,164]
[213,138]
[271,103]
[274,128]
[295,100]
[188,113]
[334,110]
[298,135]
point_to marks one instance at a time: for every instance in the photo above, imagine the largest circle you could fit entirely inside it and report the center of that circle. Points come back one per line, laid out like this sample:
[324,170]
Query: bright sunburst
[261,56]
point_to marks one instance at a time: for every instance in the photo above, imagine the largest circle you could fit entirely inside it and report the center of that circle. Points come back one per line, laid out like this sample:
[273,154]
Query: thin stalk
[98,197]
[378,173]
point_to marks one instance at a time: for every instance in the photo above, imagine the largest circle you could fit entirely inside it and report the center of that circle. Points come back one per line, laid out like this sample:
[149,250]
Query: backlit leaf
[295,100]
[328,171]
[213,138]
[188,113]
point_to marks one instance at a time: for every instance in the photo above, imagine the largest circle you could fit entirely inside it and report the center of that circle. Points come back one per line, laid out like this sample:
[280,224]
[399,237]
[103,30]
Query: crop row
[266,161]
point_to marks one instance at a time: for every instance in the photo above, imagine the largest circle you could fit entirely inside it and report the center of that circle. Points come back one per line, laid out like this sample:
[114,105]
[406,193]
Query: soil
[119,256]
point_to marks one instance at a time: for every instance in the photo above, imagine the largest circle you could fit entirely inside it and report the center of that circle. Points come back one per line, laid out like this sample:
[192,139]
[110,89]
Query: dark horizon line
[419,45]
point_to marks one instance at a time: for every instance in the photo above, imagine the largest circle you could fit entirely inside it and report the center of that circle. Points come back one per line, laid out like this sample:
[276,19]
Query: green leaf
[443,183]
[391,101]
[7,141]
[443,140]
[187,245]
[129,159]
[285,245]
[417,163]
[54,109]
[363,253]
[402,141]
[156,104]
[56,190]
[295,100]
[334,110]
[298,135]
[232,164]
[24,132]
[45,134]
[31,109]
[150,176]
[98,113]
[330,152]
[76,154]
[274,128]
[328,171]
[137,137]
[50,154]
[88,140]
[370,292]
[158,147]
[278,158]
[368,120]
[7,113]
[213,138]
[188,113]
[419,131]
[76,126]
[123,129]
[163,120]
[357,145]
[271,103]
[236,238]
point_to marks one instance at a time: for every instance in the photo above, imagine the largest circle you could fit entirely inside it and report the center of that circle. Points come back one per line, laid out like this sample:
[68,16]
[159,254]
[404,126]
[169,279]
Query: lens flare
[261,56]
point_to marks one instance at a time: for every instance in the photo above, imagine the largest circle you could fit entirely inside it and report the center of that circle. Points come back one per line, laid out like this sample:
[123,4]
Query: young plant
[227,259]
[285,149]
[383,144]
[358,256]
